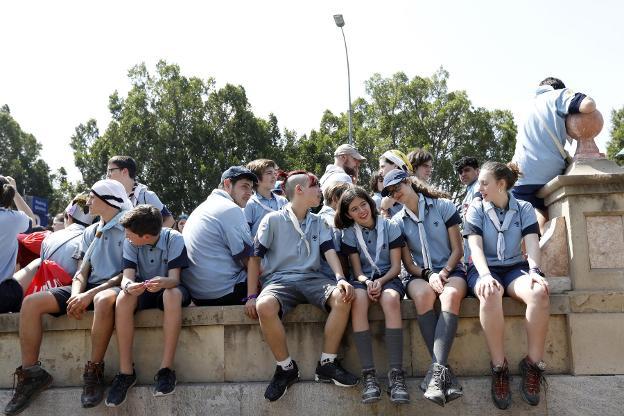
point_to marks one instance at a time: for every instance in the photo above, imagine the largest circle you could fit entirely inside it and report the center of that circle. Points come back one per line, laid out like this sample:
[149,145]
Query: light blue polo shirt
[536,154]
[154,261]
[284,253]
[392,238]
[377,198]
[333,174]
[12,223]
[217,240]
[148,197]
[471,191]
[63,247]
[440,215]
[107,256]
[254,212]
[327,213]
[395,209]
[523,222]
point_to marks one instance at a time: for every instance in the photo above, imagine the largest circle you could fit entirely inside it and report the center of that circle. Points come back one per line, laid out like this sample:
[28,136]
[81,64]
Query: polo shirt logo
[517,223]
[314,237]
[436,223]
[384,246]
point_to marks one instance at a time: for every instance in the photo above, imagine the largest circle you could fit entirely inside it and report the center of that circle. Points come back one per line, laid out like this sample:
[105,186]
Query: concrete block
[596,341]
[554,248]
[605,237]
[585,396]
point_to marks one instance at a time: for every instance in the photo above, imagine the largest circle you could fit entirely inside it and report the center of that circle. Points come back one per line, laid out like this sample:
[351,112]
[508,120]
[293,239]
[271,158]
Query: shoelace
[502,381]
[535,378]
[398,380]
[121,381]
[369,381]
[18,380]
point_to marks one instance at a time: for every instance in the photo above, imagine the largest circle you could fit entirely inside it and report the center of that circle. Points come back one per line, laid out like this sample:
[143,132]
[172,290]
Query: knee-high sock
[427,323]
[394,346]
[364,346]
[444,336]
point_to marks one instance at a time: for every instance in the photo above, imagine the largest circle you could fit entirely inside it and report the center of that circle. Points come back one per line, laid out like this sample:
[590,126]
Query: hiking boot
[371,392]
[454,390]
[282,379]
[119,389]
[532,376]
[332,372]
[165,382]
[425,381]
[396,387]
[436,389]
[30,382]
[93,389]
[501,394]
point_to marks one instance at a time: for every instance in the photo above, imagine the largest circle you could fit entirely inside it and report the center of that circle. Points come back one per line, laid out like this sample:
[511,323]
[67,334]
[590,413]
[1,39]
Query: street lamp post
[340,23]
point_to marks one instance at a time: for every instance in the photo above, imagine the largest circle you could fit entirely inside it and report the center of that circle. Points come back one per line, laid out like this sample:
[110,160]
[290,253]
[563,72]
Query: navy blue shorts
[11,295]
[153,300]
[63,293]
[460,271]
[394,284]
[503,274]
[528,193]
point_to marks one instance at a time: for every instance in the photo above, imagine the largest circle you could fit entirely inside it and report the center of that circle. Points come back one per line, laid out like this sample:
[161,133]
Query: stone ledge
[566,395]
[596,302]
[235,315]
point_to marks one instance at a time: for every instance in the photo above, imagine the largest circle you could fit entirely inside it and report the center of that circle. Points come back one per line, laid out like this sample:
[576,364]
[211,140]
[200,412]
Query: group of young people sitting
[248,245]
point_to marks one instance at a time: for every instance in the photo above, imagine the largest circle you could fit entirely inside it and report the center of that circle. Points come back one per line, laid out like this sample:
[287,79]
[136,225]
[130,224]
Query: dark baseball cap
[236,172]
[392,178]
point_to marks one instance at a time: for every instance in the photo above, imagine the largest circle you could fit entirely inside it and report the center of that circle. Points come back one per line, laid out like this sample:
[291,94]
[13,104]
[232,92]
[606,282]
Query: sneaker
[454,390]
[501,394]
[30,382]
[119,389]
[371,392]
[282,379]
[425,381]
[532,378]
[93,389]
[436,389]
[332,372]
[396,387]
[165,382]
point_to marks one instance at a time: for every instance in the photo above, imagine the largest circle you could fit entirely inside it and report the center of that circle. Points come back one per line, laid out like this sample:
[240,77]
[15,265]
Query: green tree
[182,131]
[20,157]
[617,136]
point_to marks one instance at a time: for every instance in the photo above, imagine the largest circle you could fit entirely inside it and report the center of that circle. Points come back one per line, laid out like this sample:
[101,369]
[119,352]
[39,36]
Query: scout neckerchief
[295,222]
[136,191]
[424,246]
[488,207]
[380,238]
[280,203]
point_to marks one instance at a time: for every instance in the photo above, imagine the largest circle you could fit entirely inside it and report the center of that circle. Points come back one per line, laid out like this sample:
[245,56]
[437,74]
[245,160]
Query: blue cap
[235,172]
[392,178]
[278,187]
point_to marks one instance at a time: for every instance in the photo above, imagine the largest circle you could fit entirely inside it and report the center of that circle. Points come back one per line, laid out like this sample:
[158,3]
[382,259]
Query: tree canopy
[617,136]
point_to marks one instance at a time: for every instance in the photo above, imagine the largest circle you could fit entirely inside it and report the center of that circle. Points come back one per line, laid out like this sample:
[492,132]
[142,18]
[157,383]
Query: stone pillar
[590,196]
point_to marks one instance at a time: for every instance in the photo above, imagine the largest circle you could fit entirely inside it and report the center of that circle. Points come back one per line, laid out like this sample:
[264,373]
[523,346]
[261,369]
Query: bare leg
[537,314]
[30,326]
[336,322]
[422,294]
[172,324]
[542,219]
[391,304]
[272,328]
[493,324]
[124,326]
[453,294]
[103,321]
[25,275]
[359,311]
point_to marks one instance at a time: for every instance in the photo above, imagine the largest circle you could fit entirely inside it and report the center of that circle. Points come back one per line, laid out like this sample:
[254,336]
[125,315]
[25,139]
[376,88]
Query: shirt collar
[512,204]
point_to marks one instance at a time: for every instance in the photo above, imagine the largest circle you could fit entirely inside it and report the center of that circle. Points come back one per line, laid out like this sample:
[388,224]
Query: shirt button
[105,238]
[151,261]
[369,242]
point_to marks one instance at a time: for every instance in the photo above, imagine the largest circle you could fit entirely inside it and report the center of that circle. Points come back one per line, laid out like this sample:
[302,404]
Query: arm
[345,287]
[159,282]
[21,204]
[486,284]
[78,302]
[395,268]
[531,242]
[253,273]
[457,251]
[408,262]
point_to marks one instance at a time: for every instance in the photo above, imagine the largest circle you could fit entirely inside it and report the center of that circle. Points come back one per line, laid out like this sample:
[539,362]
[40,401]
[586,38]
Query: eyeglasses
[110,170]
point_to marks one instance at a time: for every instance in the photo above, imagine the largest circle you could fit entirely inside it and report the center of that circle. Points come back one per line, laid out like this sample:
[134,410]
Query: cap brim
[384,191]
[358,156]
[249,176]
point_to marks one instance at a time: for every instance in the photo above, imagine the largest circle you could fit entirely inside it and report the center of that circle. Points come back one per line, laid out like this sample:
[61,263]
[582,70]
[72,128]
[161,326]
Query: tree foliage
[20,158]
[617,136]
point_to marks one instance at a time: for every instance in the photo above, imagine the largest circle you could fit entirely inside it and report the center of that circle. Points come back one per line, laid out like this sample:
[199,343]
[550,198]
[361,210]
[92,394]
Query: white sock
[287,364]
[328,358]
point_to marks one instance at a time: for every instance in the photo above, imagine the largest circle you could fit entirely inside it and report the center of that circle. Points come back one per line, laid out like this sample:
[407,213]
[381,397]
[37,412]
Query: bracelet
[425,274]
[125,288]
[340,278]
[250,297]
[537,270]
[447,269]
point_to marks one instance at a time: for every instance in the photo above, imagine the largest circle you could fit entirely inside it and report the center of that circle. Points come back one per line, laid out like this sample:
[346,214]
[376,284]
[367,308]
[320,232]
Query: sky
[61,60]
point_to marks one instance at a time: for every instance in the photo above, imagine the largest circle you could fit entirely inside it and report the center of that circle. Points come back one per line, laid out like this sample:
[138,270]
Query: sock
[287,364]
[427,323]
[327,358]
[364,345]
[394,345]
[444,336]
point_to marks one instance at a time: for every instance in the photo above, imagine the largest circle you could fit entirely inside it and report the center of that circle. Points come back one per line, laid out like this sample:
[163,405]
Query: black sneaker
[332,372]
[371,392]
[436,388]
[282,379]
[30,382]
[119,389]
[397,388]
[454,390]
[165,382]
[501,394]
[532,378]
